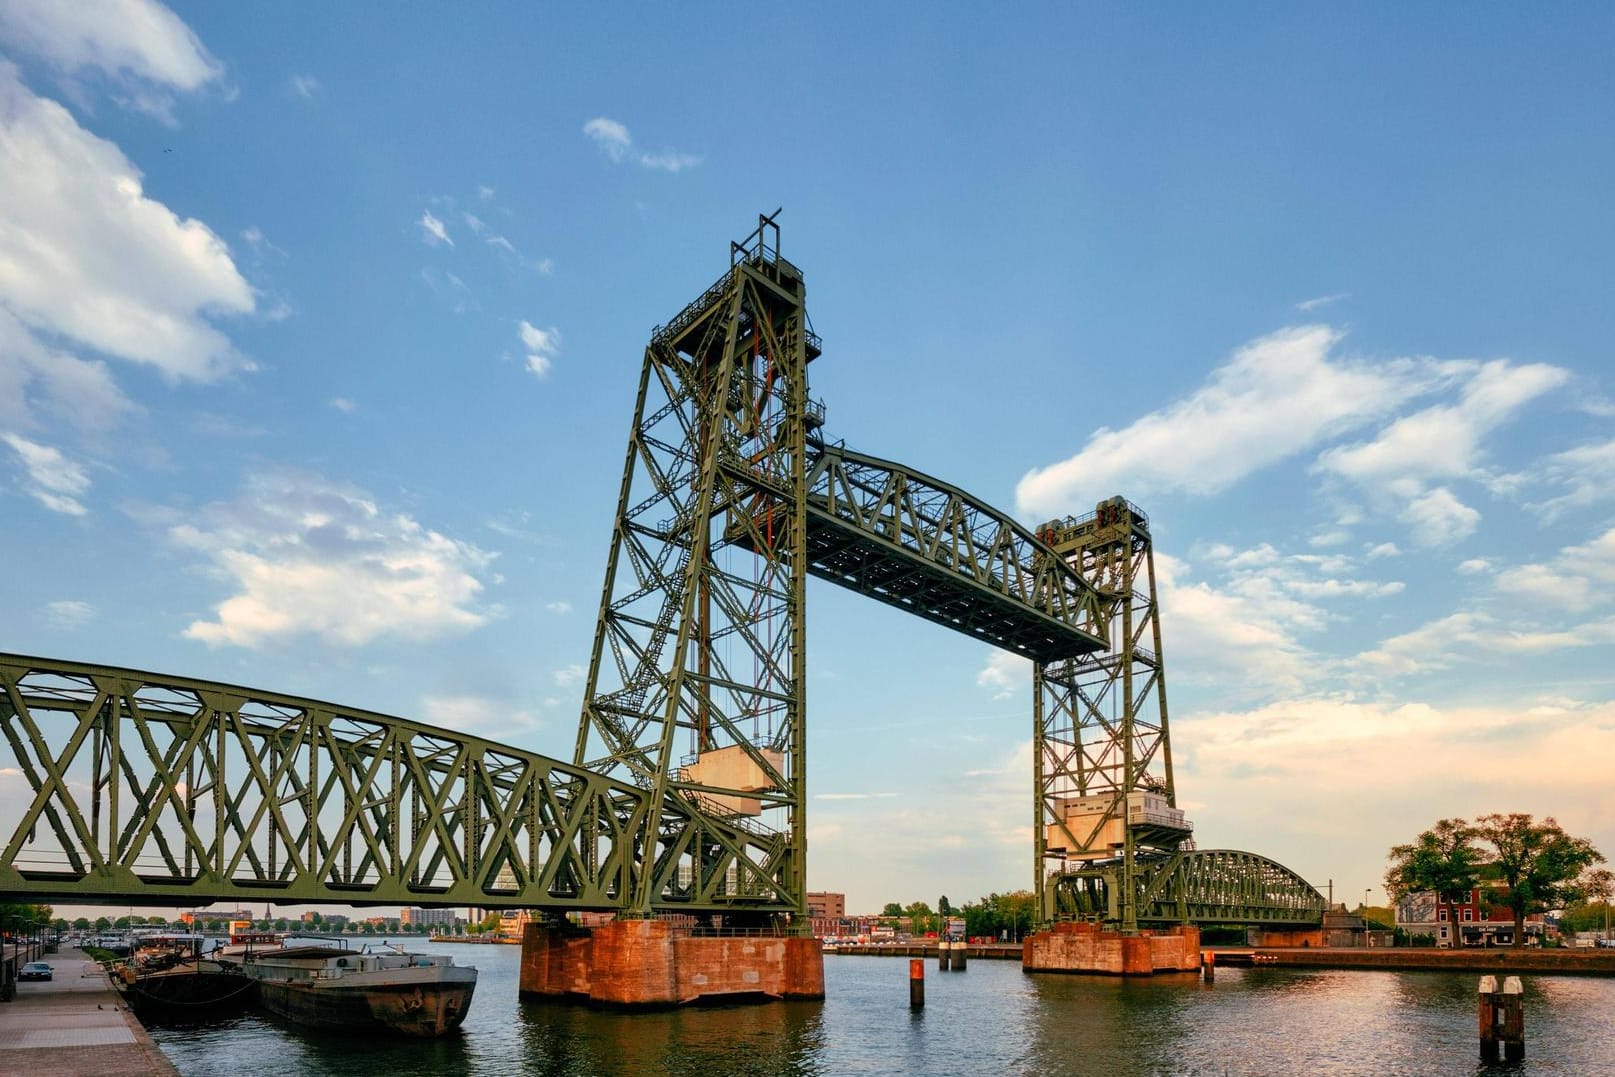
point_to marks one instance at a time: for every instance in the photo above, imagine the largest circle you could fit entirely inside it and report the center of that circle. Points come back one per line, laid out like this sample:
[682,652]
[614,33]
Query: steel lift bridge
[685,790]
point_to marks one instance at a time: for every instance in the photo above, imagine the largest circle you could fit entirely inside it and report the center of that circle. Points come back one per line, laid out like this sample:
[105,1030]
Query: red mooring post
[916,983]
[1208,965]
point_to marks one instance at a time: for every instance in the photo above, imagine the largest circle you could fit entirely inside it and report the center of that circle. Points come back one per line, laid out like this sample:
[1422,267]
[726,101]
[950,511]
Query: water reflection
[991,1019]
[563,1039]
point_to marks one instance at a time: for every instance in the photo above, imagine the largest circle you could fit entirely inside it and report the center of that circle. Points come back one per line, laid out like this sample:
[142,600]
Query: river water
[990,1019]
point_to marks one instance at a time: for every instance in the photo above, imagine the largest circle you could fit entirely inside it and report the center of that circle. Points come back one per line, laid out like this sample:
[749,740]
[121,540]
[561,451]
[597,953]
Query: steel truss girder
[149,789]
[924,546]
[1202,887]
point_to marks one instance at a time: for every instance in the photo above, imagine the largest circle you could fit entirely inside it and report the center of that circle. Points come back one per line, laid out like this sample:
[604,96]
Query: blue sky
[319,330]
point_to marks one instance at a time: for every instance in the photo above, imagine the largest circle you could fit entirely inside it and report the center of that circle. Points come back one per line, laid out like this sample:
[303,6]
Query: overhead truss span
[927,547]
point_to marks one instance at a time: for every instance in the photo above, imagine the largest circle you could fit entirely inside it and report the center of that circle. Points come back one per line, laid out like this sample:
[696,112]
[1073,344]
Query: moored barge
[326,987]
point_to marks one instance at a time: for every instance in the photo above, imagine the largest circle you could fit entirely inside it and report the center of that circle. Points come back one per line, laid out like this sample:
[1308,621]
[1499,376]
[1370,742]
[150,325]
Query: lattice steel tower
[1105,800]
[697,682]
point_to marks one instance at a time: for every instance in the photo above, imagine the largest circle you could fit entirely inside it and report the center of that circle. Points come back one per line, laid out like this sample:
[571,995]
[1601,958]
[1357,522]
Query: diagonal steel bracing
[162,790]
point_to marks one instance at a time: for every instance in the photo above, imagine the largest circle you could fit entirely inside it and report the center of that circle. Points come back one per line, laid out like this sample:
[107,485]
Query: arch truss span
[151,789]
[930,548]
[1198,886]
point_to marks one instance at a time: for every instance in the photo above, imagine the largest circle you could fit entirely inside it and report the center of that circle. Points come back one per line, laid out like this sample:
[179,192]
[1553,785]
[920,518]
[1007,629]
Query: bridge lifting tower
[1105,801]
[696,684]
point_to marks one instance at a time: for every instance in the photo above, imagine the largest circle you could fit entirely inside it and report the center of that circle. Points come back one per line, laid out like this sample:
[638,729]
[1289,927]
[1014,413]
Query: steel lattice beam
[1204,886]
[165,790]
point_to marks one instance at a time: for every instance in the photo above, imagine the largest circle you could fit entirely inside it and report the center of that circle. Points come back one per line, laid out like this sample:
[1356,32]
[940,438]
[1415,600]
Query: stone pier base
[647,963]
[1085,947]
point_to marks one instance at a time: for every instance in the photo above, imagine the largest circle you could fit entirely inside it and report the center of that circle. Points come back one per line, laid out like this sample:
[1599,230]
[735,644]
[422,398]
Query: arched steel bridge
[686,787]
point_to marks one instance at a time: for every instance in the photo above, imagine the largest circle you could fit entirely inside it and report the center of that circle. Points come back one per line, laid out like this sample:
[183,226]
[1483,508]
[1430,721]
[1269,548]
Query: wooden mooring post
[944,957]
[1502,1019]
[958,957]
[916,983]
[1208,965]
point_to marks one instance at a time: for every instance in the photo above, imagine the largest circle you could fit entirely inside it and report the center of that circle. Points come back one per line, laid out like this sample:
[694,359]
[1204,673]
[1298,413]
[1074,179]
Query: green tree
[1443,859]
[81,924]
[892,909]
[919,917]
[943,908]
[102,925]
[1537,864]
[1600,885]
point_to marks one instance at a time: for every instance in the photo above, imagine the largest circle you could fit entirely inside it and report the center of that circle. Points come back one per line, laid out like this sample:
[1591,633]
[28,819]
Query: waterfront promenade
[75,1024]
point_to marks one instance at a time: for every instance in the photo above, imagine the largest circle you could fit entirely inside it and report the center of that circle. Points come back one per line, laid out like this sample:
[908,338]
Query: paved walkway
[75,1024]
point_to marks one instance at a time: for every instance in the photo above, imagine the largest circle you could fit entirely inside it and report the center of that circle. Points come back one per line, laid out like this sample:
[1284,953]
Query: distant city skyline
[318,339]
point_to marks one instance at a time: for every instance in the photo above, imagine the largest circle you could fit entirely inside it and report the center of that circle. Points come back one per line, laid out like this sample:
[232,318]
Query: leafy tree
[1600,884]
[81,924]
[1538,864]
[1443,859]
[943,908]
[102,925]
[892,909]
[919,916]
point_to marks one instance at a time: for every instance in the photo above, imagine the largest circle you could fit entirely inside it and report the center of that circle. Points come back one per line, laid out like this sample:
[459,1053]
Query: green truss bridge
[684,790]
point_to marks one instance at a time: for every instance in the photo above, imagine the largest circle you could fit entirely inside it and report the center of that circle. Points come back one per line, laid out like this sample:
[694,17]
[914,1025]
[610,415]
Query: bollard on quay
[916,983]
[958,957]
[944,956]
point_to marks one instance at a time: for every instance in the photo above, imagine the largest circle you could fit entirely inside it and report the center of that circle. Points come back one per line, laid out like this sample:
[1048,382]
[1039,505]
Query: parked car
[35,970]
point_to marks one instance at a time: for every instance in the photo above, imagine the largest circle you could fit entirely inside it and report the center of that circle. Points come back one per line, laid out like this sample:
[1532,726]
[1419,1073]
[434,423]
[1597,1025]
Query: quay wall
[1558,962]
[647,963]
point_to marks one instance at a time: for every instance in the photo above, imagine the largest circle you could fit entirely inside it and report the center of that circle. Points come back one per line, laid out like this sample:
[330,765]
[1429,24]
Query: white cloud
[1437,518]
[1384,549]
[560,606]
[344,405]
[1276,397]
[129,39]
[433,231]
[669,161]
[1442,442]
[1320,301]
[36,381]
[304,86]
[485,192]
[854,796]
[618,145]
[541,346]
[567,676]
[1587,473]
[69,614]
[1578,578]
[483,716]
[53,480]
[1330,538]
[611,136]
[1005,674]
[1474,565]
[89,257]
[307,556]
